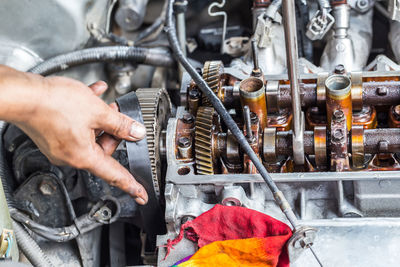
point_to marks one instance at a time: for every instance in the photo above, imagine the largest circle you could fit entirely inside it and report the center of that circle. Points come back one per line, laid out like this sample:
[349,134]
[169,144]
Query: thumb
[121,126]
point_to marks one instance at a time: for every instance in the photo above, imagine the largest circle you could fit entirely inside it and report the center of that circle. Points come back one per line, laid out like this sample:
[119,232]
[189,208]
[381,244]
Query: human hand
[65,123]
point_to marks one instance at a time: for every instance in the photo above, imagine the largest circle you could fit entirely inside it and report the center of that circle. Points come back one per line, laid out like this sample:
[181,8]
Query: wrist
[20,94]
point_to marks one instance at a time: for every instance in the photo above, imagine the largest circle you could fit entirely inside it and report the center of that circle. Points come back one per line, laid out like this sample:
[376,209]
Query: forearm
[19,94]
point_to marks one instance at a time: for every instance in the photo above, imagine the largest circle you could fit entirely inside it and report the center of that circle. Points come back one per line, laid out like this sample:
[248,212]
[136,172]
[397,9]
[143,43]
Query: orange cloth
[251,252]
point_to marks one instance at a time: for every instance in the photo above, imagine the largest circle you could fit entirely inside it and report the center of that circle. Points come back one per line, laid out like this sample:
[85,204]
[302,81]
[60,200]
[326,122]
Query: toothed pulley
[212,74]
[207,127]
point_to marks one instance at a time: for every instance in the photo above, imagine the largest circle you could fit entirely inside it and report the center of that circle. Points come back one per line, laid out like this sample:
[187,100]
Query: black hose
[28,246]
[147,56]
[230,123]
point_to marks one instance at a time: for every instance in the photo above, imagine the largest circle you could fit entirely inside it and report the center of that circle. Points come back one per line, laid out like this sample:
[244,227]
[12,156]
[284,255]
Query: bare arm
[62,117]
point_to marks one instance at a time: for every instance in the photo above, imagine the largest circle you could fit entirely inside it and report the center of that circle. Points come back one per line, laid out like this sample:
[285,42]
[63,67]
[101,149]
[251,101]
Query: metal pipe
[289,24]
[252,94]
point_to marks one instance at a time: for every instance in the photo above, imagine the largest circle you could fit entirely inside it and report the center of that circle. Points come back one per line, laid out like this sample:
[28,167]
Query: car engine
[287,107]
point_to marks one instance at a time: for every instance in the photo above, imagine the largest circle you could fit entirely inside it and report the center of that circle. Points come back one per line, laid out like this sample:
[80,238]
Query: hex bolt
[362,4]
[339,69]
[396,112]
[382,91]
[338,114]
[338,135]
[194,94]
[383,146]
[188,118]
[184,142]
[46,188]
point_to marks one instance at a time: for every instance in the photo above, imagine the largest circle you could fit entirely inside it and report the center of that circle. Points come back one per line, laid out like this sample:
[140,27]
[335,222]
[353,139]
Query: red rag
[230,222]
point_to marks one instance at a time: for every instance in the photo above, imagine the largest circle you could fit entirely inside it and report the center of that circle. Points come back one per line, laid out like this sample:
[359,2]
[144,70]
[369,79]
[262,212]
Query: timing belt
[140,168]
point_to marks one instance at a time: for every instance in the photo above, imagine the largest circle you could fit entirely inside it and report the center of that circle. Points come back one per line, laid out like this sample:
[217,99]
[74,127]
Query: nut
[338,114]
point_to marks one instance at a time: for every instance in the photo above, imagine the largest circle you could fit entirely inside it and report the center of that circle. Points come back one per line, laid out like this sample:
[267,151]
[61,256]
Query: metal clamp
[321,92]
[269,150]
[357,146]
[356,90]
[271,91]
[320,146]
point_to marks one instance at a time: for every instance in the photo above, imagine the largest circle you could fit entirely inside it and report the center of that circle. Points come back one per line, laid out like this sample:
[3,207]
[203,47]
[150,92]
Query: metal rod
[247,120]
[254,54]
[316,257]
[289,24]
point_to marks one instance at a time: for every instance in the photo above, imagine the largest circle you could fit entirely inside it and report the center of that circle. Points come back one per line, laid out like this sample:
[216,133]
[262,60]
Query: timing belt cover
[140,168]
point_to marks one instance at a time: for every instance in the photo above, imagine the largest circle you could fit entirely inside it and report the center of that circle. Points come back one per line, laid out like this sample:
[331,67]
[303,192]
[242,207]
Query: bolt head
[383,146]
[188,118]
[184,142]
[194,94]
[338,114]
[339,69]
[381,91]
[338,135]
[46,188]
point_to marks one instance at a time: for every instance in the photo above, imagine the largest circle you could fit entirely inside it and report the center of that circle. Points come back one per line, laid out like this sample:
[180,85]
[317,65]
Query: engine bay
[290,108]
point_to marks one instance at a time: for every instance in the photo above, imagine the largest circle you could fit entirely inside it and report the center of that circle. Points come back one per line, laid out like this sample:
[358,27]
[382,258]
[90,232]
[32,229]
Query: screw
[338,135]
[194,93]
[188,118]
[253,118]
[338,114]
[339,69]
[184,142]
[46,188]
[381,91]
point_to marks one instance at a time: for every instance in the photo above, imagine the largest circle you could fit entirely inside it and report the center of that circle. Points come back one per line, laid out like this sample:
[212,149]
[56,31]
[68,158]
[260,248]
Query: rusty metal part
[357,90]
[212,74]
[338,97]
[372,139]
[252,94]
[339,155]
[321,92]
[272,89]
[371,94]
[185,147]
[254,142]
[269,138]
[232,150]
[194,100]
[394,116]
[357,146]
[320,140]
[207,126]
[156,110]
[282,121]
[366,117]
[315,116]
[184,129]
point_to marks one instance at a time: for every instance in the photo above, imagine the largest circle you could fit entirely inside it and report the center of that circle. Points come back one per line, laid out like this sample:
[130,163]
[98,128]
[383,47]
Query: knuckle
[122,126]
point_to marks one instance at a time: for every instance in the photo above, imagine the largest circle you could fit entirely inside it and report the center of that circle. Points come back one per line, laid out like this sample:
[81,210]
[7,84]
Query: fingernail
[140,201]
[138,131]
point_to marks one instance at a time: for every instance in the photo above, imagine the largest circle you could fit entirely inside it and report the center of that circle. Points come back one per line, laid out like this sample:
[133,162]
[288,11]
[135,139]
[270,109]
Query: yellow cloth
[239,252]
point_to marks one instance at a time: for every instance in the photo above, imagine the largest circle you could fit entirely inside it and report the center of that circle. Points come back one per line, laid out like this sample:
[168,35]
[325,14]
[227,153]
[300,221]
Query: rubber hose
[30,248]
[147,56]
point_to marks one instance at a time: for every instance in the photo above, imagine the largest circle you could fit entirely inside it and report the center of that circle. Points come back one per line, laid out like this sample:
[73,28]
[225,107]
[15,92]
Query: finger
[98,87]
[115,174]
[114,106]
[120,125]
[108,143]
